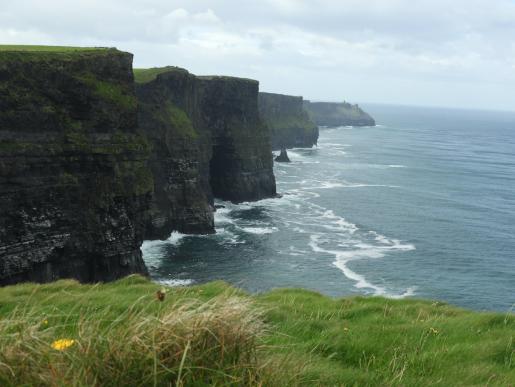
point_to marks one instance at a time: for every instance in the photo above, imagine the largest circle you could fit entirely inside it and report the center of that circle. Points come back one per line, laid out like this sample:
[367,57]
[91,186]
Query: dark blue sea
[422,205]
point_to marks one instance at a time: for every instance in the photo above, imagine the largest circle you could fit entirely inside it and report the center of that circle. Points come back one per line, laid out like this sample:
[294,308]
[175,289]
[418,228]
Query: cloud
[363,49]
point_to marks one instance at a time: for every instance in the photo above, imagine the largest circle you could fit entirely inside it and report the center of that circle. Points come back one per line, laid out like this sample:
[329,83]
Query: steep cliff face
[208,141]
[169,117]
[290,125]
[241,166]
[74,182]
[337,114]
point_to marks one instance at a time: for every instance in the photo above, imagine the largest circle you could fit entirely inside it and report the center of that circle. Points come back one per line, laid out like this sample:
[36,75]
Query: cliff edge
[337,114]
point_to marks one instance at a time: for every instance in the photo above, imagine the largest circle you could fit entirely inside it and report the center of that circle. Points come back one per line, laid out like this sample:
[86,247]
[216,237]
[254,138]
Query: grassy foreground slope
[121,334]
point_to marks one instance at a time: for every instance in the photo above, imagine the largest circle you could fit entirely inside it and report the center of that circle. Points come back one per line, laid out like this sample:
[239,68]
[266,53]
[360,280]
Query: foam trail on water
[360,251]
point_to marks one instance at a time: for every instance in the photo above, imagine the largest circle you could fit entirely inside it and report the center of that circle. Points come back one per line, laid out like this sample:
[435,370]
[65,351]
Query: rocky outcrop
[290,125]
[74,182]
[208,142]
[337,114]
[283,157]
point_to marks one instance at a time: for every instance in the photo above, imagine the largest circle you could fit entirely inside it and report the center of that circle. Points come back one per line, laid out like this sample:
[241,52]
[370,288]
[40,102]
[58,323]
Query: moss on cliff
[180,121]
[110,91]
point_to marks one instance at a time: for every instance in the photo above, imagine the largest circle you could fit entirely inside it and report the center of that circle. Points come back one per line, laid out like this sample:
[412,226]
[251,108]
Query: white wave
[222,216]
[260,230]
[338,223]
[175,282]
[396,166]
[361,250]
[176,238]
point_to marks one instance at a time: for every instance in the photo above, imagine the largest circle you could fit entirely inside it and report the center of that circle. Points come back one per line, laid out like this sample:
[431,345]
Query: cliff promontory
[241,166]
[208,141]
[169,117]
[337,114]
[290,125]
[74,179]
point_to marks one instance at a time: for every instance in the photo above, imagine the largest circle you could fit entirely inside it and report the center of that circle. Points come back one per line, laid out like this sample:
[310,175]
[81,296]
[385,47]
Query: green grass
[20,53]
[148,75]
[56,49]
[216,335]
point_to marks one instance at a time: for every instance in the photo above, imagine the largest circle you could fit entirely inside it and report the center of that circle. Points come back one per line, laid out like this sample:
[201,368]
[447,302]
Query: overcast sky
[455,53]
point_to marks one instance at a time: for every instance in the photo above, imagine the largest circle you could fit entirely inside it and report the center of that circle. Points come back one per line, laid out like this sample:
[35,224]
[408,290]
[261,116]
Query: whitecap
[260,230]
[361,250]
[176,238]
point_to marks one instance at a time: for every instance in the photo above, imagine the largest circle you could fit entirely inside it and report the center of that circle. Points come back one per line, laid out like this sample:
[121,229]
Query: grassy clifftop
[121,334]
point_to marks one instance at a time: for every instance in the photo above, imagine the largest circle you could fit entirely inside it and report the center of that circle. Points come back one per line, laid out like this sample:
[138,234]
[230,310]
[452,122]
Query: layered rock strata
[208,142]
[75,186]
[169,117]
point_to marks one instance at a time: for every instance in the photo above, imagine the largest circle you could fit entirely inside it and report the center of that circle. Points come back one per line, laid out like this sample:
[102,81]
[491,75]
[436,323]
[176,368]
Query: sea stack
[283,157]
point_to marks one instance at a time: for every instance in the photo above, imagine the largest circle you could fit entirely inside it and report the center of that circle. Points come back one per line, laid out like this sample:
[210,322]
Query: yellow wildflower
[62,344]
[346,329]
[433,330]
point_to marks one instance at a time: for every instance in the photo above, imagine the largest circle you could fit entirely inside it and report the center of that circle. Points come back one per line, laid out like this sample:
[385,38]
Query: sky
[451,53]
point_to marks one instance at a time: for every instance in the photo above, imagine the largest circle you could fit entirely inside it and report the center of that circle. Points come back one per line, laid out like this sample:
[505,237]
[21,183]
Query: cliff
[87,172]
[74,182]
[208,142]
[169,117]
[290,125]
[337,114]
[241,166]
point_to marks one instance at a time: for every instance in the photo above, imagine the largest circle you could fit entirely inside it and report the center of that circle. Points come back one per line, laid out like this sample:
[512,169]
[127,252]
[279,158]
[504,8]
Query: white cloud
[435,51]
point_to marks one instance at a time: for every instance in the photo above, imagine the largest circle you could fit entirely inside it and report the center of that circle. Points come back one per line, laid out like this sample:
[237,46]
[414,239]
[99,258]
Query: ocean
[421,205]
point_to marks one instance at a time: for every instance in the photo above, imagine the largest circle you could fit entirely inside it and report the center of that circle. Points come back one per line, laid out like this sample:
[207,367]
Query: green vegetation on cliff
[28,48]
[110,91]
[181,123]
[41,53]
[148,75]
[121,334]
